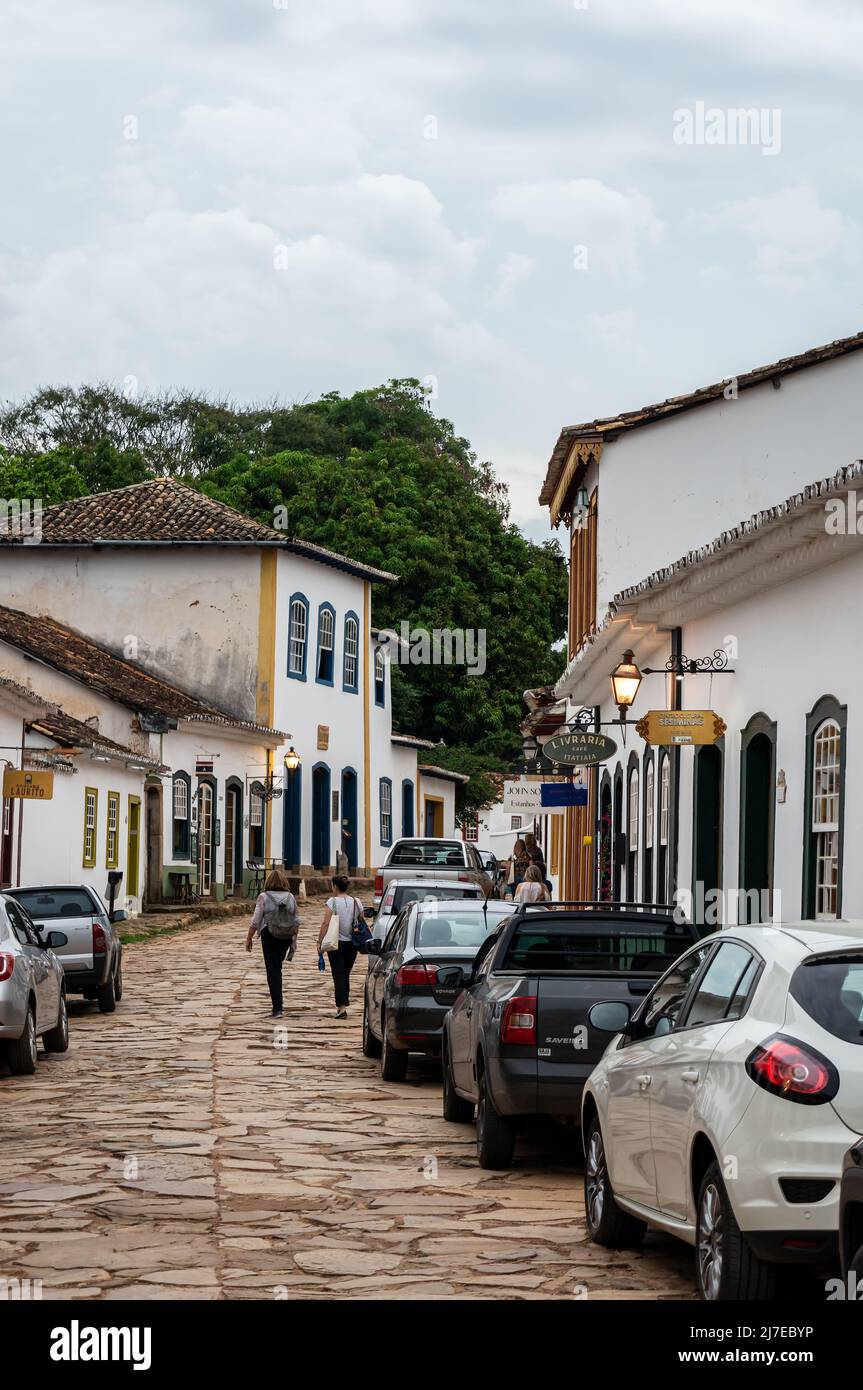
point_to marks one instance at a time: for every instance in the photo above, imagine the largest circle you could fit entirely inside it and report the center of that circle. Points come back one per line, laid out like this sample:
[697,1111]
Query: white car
[722,1110]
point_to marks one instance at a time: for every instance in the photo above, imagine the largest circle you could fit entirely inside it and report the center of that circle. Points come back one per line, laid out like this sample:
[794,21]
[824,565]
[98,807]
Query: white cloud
[795,240]
[511,272]
[615,228]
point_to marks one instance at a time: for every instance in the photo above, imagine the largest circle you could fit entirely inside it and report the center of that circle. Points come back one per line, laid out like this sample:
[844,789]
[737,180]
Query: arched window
[824,813]
[632,838]
[350,675]
[824,809]
[649,816]
[663,893]
[181,800]
[326,644]
[298,636]
[380,677]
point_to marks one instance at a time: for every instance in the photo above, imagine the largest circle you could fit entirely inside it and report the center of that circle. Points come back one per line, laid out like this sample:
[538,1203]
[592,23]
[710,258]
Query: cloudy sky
[265,198]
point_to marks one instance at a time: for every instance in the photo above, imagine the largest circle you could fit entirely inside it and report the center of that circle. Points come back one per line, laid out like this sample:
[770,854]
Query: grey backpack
[281,919]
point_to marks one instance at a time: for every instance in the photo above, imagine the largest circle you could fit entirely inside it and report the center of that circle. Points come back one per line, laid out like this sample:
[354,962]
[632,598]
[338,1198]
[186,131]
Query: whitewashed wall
[710,468]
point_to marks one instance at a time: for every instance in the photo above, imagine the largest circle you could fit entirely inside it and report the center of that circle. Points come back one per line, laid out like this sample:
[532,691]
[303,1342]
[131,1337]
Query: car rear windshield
[595,949]
[403,896]
[452,928]
[43,903]
[429,852]
[831,992]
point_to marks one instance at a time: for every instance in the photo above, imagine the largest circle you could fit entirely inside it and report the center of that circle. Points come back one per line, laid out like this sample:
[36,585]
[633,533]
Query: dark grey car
[407,993]
[517,1042]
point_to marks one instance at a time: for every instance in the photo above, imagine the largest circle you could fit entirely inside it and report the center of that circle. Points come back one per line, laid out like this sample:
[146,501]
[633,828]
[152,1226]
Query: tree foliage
[374,475]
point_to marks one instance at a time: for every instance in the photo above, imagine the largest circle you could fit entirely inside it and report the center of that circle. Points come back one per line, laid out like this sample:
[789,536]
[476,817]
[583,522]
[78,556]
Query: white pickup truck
[436,861]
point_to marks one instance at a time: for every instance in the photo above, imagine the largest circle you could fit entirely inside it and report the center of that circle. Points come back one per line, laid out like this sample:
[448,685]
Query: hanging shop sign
[680,726]
[28,786]
[580,748]
[556,794]
[525,799]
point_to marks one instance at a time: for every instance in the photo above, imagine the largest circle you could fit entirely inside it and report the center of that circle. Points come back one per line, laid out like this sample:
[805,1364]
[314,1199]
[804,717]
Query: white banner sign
[524,799]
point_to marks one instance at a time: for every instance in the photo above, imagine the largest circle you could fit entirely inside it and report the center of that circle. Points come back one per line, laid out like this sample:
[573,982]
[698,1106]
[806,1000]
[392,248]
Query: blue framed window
[407,808]
[298,636]
[324,675]
[380,678]
[351,657]
[386,806]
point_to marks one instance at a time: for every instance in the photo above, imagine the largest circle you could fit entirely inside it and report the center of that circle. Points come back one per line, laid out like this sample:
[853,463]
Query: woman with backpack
[348,914]
[276,920]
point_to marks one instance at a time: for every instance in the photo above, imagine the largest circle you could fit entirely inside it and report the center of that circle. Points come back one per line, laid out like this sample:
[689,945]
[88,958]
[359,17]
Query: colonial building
[703,542]
[262,634]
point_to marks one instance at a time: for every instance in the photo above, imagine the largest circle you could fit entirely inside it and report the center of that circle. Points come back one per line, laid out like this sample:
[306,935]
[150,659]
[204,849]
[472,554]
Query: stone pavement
[188,1147]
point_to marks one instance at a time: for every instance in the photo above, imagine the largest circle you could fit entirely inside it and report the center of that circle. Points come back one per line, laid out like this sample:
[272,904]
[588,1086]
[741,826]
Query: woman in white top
[348,910]
[532,889]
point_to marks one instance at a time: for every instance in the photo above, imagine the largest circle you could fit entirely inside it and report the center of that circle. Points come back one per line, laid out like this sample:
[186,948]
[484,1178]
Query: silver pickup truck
[92,953]
[433,860]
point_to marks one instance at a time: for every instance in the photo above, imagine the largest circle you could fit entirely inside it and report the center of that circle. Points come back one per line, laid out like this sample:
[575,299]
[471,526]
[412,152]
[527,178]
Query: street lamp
[625,681]
[292,760]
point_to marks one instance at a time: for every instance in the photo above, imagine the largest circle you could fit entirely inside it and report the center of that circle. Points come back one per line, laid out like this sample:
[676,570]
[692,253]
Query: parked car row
[717,1081]
[54,941]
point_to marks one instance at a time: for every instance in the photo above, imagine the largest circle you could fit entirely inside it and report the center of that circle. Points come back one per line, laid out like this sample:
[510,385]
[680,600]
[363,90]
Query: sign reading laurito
[680,726]
[28,786]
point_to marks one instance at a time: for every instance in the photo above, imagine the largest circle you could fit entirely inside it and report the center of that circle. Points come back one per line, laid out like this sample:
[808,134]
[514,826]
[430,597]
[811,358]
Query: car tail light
[99,943]
[417,975]
[519,1020]
[379,885]
[7,965]
[793,1070]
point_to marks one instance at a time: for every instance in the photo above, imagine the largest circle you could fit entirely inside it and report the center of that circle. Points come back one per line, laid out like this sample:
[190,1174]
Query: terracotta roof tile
[161,510]
[85,661]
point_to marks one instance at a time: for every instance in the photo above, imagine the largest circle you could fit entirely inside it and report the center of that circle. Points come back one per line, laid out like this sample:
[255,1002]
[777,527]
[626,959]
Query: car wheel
[495,1134]
[607,1223]
[371,1046]
[57,1038]
[394,1062]
[21,1052]
[725,1267]
[118,982]
[455,1109]
[106,997]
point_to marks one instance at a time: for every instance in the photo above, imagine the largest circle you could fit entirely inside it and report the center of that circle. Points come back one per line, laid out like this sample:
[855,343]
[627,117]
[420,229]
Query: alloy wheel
[710,1242]
[596,1178]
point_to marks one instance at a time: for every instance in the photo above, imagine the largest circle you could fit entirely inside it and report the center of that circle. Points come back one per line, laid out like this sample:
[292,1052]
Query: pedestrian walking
[276,921]
[532,889]
[518,863]
[346,912]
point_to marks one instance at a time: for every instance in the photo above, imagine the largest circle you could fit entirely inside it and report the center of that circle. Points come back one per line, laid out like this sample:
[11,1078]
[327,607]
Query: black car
[408,987]
[851,1215]
[517,1042]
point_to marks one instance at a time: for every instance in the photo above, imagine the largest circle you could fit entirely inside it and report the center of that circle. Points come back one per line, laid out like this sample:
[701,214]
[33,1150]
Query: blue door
[321,816]
[407,808]
[293,819]
[349,815]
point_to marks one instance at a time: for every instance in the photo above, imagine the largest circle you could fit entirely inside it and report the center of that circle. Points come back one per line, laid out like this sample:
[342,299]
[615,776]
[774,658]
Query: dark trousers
[274,954]
[341,964]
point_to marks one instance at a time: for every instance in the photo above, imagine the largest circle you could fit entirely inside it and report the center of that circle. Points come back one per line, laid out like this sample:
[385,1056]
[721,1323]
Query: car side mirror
[370,912]
[375,947]
[610,1017]
[450,977]
[54,940]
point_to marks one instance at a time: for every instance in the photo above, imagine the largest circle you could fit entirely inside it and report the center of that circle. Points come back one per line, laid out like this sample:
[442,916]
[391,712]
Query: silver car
[32,989]
[401,891]
[92,953]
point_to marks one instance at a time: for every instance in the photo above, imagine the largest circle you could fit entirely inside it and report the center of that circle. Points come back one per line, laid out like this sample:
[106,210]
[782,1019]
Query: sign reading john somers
[580,748]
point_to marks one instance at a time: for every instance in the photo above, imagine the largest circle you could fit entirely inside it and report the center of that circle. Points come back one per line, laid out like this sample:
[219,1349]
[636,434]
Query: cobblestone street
[187,1147]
